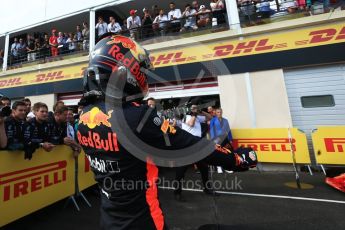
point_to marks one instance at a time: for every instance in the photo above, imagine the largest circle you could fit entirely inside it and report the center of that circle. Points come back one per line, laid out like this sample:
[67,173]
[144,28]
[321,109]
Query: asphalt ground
[248,200]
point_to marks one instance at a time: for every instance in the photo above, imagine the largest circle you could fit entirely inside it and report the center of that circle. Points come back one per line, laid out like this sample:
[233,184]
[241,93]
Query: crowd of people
[28,128]
[149,23]
[42,45]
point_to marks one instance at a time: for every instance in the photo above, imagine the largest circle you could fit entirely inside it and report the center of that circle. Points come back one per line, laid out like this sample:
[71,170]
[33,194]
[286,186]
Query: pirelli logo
[266,144]
[335,144]
[23,182]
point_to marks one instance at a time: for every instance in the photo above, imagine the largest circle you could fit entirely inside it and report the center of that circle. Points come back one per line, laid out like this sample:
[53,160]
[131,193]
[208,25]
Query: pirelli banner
[29,185]
[329,145]
[274,145]
[85,175]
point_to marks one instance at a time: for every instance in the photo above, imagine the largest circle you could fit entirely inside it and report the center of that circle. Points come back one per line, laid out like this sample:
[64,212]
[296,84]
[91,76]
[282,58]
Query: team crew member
[58,130]
[36,131]
[113,128]
[14,126]
[3,137]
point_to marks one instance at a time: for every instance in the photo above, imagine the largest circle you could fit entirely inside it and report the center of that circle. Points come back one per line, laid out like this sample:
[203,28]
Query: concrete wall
[270,99]
[48,99]
[234,100]
[270,104]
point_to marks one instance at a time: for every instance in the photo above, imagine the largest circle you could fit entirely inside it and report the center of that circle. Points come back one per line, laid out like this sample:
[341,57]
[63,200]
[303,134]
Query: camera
[5,111]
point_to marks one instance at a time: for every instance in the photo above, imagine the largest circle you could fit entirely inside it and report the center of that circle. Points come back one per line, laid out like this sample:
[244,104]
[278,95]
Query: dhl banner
[29,185]
[228,48]
[329,145]
[46,76]
[296,39]
[85,175]
[273,145]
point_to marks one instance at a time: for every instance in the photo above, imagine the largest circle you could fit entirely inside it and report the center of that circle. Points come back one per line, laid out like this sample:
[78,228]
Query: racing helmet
[117,69]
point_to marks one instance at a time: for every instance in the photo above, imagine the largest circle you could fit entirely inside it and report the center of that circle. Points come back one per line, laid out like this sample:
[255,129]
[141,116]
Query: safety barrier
[274,145]
[27,186]
[329,145]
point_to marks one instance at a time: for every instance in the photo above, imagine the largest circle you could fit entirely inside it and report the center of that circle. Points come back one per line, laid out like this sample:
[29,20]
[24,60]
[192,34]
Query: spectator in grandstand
[101,27]
[174,16]
[14,51]
[195,5]
[155,11]
[5,101]
[14,126]
[72,42]
[53,43]
[30,48]
[217,7]
[1,57]
[36,131]
[61,43]
[290,6]
[113,26]
[190,15]
[264,9]
[79,34]
[147,22]
[133,24]
[37,47]
[45,50]
[203,16]
[86,36]
[22,50]
[247,9]
[161,23]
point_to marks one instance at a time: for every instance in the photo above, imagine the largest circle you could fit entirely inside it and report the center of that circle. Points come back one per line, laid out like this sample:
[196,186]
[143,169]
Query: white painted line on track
[264,195]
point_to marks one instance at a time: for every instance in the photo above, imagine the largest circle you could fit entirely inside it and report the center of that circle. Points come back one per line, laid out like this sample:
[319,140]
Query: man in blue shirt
[220,129]
[220,132]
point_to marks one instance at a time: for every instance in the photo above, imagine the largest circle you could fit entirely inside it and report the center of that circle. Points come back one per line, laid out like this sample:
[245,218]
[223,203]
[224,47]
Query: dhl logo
[334,144]
[11,82]
[266,144]
[23,182]
[95,117]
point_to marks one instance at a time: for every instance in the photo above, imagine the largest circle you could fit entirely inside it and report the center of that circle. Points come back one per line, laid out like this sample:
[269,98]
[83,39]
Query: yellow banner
[29,185]
[329,145]
[46,76]
[85,175]
[273,145]
[295,39]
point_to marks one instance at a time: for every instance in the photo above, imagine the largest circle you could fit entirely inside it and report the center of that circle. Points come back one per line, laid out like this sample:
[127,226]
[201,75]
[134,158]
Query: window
[317,101]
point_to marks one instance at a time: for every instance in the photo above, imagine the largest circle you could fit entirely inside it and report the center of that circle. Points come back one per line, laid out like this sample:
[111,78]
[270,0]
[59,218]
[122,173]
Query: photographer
[193,120]
[14,126]
[192,124]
